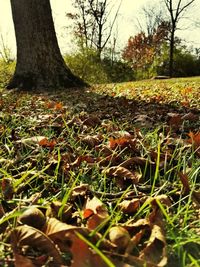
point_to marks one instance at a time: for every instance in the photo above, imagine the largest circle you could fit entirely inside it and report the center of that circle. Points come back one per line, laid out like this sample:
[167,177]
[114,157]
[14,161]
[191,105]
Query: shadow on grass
[135,112]
[139,113]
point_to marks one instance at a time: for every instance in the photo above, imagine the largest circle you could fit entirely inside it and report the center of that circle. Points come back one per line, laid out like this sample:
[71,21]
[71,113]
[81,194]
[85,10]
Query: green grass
[85,137]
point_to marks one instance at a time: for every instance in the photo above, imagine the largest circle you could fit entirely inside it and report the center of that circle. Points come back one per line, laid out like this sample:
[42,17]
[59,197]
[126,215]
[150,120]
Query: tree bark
[171,54]
[39,61]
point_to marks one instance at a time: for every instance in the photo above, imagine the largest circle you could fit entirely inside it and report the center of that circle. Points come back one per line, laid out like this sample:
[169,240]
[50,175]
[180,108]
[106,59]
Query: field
[104,176]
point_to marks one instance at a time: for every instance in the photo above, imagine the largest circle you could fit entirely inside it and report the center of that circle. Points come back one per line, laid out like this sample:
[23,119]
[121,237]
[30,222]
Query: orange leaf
[96,213]
[50,104]
[194,139]
[121,142]
[58,106]
[45,143]
[87,213]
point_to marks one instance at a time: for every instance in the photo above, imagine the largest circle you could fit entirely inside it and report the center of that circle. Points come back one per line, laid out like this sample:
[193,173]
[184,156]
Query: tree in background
[92,22]
[39,61]
[176,10]
[151,17]
[142,49]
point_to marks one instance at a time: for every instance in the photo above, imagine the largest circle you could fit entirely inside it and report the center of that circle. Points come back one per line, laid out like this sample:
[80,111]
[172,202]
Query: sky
[127,20]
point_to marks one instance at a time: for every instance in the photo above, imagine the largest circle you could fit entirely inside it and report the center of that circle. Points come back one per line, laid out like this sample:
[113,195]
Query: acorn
[33,217]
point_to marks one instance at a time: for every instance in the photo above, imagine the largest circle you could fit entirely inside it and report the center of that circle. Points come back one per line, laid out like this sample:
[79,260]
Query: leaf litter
[96,178]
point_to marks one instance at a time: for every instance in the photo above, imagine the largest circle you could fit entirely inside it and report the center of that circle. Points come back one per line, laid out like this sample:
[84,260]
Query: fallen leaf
[46,143]
[155,251]
[185,182]
[194,139]
[24,237]
[122,173]
[120,237]
[7,188]
[129,206]
[35,140]
[95,212]
[91,141]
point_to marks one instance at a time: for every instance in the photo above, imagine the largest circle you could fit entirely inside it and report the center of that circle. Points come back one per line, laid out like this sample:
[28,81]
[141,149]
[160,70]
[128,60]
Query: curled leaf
[26,239]
[122,173]
[120,237]
[130,206]
[95,212]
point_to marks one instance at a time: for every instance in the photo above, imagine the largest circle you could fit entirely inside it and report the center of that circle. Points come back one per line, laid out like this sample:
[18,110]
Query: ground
[113,169]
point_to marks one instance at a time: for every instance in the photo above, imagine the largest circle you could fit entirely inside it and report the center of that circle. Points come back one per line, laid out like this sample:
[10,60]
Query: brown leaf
[95,212]
[23,261]
[185,183]
[122,142]
[194,139]
[92,121]
[65,237]
[7,188]
[46,143]
[135,161]
[190,117]
[130,206]
[175,120]
[122,173]
[54,208]
[196,197]
[155,251]
[80,190]
[83,256]
[23,237]
[120,237]
[34,217]
[91,141]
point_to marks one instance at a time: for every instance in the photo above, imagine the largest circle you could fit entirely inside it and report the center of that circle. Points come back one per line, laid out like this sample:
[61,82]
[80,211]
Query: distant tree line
[154,50]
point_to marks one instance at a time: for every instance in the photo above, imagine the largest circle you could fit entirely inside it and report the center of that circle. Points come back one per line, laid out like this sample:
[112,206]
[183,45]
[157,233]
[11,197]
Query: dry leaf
[7,188]
[91,141]
[155,251]
[120,237]
[46,143]
[24,237]
[95,212]
[23,261]
[185,181]
[34,217]
[122,173]
[80,190]
[194,139]
[35,140]
[130,206]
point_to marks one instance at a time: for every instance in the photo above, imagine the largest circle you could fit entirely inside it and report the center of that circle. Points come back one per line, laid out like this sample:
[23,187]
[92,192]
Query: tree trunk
[171,54]
[39,61]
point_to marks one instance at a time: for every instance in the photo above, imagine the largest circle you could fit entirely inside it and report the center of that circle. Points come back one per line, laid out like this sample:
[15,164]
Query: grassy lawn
[105,176]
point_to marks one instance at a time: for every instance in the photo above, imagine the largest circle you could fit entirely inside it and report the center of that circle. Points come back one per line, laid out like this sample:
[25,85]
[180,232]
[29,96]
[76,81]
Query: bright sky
[130,10]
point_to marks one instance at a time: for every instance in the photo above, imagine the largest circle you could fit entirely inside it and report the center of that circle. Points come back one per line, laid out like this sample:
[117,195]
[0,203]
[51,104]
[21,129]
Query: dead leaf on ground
[122,174]
[185,182]
[95,212]
[32,243]
[119,236]
[91,141]
[155,251]
[129,206]
[35,140]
